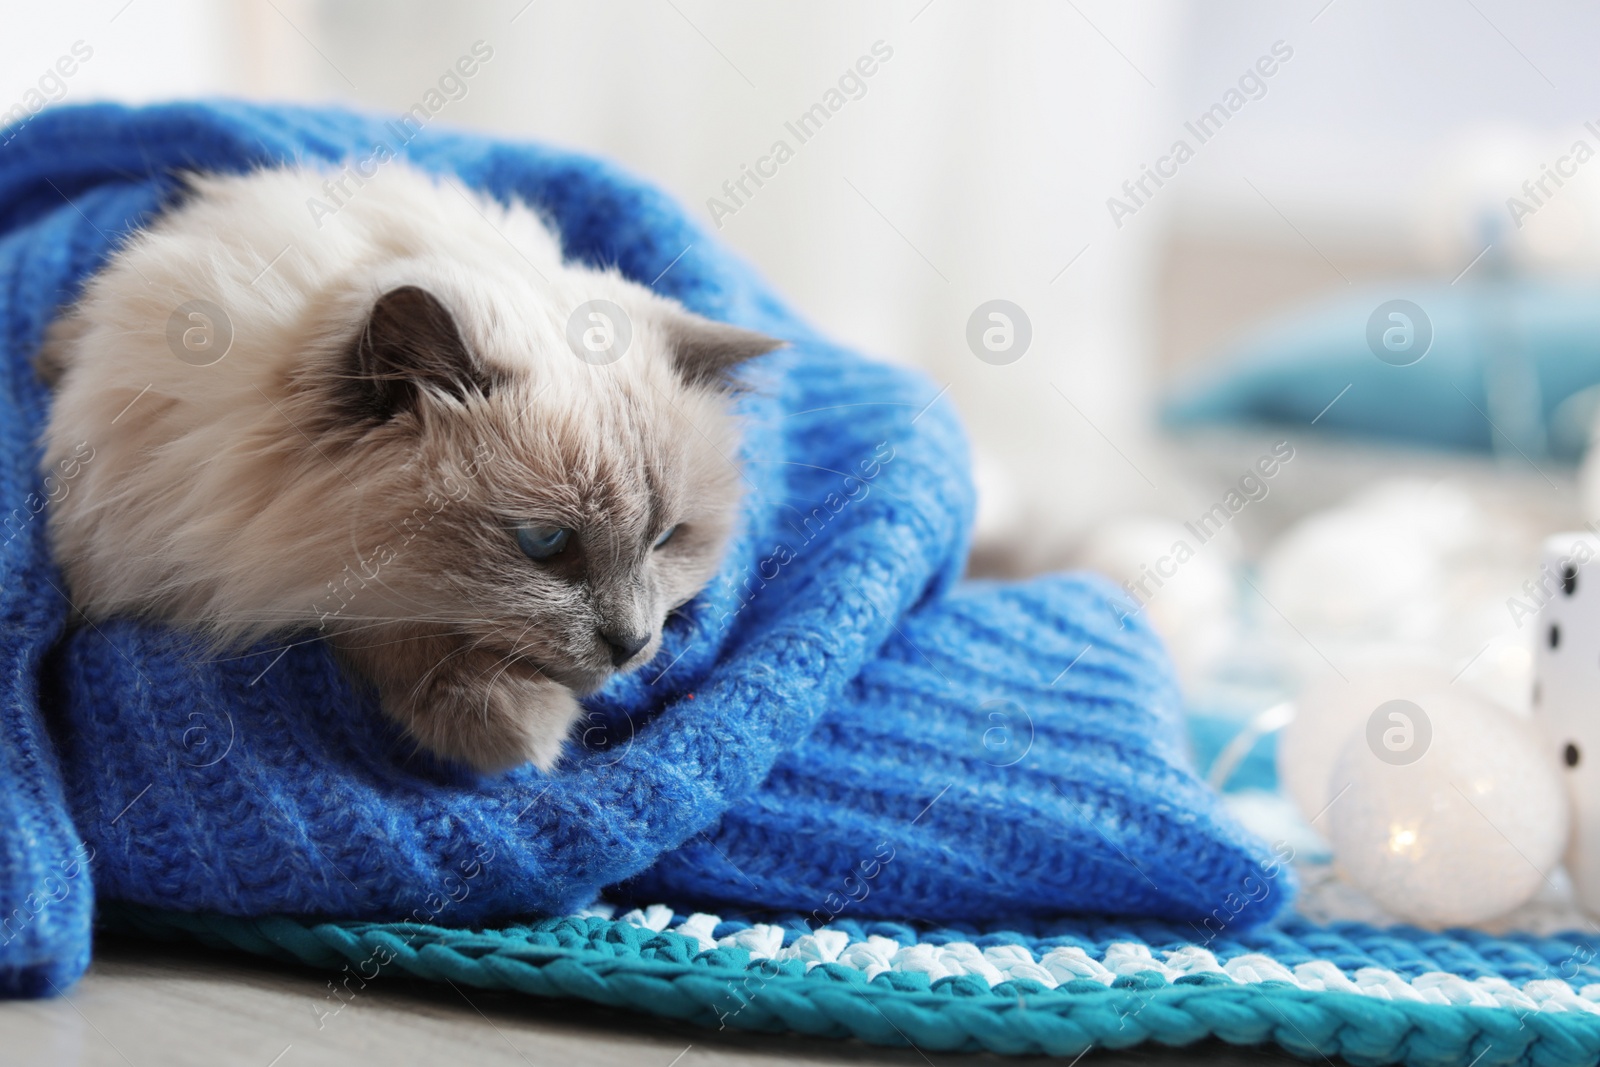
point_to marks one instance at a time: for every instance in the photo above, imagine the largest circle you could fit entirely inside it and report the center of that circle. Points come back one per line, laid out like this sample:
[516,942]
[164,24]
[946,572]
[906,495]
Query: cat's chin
[586,680]
[580,678]
[582,681]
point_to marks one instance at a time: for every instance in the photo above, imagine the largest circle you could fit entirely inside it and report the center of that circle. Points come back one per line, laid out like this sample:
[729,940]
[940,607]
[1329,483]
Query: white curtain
[972,164]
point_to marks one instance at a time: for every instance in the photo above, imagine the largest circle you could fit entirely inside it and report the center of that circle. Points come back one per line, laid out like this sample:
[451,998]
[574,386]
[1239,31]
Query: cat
[398,423]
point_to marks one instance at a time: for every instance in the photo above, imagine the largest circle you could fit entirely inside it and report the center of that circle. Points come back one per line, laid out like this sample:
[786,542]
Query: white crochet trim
[875,955]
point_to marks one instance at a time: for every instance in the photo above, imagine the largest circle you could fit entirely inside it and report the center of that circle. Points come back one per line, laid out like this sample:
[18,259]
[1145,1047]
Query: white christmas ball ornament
[1330,708]
[1352,573]
[1453,813]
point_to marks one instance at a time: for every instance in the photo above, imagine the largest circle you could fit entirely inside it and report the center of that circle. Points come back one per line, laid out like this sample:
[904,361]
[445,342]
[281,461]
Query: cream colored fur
[244,499]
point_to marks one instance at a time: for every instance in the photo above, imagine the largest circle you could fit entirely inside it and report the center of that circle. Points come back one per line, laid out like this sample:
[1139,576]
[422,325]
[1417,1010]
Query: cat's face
[552,514]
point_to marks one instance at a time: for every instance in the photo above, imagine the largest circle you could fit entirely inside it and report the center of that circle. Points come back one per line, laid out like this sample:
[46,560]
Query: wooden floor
[144,1005]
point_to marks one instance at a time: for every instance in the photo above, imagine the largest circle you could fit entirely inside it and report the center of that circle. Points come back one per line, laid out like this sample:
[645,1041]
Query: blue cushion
[1505,354]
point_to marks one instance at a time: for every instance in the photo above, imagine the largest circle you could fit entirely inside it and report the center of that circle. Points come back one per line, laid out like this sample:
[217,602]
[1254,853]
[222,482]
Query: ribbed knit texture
[929,749]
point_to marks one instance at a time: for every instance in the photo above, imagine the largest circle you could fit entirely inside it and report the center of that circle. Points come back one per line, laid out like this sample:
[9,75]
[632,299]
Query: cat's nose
[624,646]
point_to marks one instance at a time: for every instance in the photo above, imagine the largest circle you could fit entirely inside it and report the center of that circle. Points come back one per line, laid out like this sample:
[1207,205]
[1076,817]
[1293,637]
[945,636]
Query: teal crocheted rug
[1368,994]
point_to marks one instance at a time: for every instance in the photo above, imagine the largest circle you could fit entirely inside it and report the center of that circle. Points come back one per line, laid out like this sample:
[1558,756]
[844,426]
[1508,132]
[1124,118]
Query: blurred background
[977,163]
[1359,235]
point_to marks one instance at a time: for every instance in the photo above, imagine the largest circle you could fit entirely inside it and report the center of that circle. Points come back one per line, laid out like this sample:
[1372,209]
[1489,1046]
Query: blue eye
[543,542]
[666,535]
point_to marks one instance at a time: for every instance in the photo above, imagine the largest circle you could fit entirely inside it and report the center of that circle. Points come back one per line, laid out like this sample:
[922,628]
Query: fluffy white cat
[372,425]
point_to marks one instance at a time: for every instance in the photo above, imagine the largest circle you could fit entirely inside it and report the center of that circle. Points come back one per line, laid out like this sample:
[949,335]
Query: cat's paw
[496,720]
[469,705]
[547,725]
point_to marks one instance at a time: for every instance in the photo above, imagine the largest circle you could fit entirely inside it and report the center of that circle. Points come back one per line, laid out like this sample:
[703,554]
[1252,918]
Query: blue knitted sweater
[836,726]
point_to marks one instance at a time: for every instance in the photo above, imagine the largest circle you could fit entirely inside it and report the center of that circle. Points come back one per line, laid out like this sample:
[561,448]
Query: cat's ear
[707,353]
[410,345]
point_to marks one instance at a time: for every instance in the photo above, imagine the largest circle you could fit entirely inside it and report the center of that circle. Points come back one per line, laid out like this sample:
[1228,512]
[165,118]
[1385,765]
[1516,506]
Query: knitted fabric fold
[836,723]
